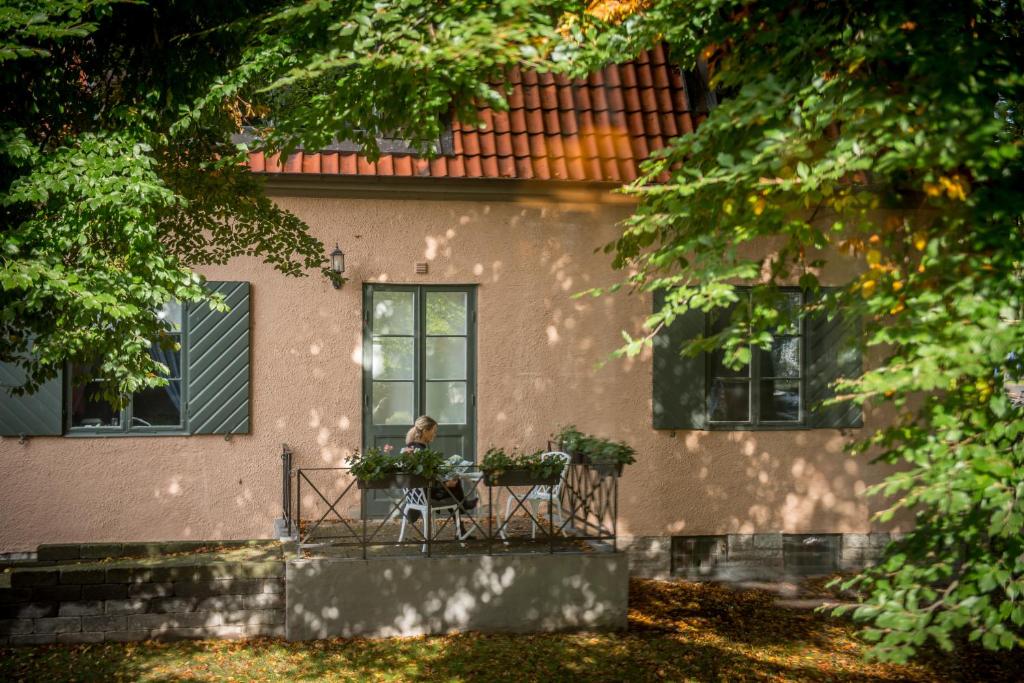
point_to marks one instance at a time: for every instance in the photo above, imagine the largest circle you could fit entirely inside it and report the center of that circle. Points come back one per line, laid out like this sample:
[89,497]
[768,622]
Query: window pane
[790,308]
[783,359]
[170,313]
[722,317]
[166,354]
[89,410]
[729,401]
[446,313]
[446,358]
[446,402]
[719,369]
[157,407]
[393,358]
[393,403]
[393,312]
[780,400]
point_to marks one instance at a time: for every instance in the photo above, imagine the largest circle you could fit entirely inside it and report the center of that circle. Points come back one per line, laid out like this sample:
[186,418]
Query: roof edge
[400,187]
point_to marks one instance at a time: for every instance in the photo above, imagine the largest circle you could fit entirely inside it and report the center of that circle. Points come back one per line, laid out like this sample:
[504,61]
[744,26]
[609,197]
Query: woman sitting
[418,438]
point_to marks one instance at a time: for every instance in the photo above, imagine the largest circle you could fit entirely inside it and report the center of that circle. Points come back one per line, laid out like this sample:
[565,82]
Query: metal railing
[286,488]
[331,513]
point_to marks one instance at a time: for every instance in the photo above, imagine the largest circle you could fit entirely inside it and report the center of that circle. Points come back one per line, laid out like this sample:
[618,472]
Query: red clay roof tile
[329,163]
[456,167]
[310,163]
[531,97]
[403,165]
[551,124]
[611,76]
[549,97]
[501,122]
[627,73]
[524,169]
[487,147]
[594,128]
[567,123]
[470,143]
[365,167]
[507,167]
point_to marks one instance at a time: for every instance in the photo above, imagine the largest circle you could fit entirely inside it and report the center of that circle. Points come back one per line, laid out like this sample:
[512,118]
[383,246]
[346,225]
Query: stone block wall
[732,557]
[91,603]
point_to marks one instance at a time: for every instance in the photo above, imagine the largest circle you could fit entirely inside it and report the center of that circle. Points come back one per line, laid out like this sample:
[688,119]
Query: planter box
[579,458]
[518,478]
[395,481]
[606,469]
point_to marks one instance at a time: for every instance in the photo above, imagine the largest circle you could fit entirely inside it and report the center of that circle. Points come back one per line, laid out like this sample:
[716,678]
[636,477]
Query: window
[784,387]
[443,145]
[207,353]
[157,409]
[767,391]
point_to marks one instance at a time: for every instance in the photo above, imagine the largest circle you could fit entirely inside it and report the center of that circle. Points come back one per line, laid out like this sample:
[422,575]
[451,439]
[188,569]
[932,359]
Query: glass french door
[419,358]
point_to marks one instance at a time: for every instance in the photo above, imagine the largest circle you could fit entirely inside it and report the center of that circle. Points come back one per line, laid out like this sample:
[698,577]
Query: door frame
[419,399]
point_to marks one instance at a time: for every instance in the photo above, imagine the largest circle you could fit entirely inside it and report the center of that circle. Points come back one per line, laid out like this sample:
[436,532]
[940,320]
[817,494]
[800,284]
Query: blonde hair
[423,423]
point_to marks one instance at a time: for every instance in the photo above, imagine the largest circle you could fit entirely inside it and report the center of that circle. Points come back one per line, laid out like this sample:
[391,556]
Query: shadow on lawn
[678,631]
[471,657]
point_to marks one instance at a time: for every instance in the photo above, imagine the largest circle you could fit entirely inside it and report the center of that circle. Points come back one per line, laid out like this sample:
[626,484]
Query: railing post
[615,513]
[286,487]
[298,511]
[428,523]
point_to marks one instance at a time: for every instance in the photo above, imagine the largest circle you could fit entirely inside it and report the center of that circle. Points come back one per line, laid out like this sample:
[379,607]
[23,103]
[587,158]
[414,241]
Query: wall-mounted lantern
[338,266]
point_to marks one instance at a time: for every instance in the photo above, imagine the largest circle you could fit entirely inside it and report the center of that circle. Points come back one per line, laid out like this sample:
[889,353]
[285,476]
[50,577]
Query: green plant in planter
[539,465]
[379,463]
[569,439]
[606,452]
[497,461]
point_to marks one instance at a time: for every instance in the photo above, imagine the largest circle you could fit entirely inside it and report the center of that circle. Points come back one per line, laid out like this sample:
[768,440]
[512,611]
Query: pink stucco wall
[538,357]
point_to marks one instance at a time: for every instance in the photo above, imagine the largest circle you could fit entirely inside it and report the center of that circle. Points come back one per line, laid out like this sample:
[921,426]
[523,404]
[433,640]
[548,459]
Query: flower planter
[579,458]
[518,478]
[607,469]
[395,481]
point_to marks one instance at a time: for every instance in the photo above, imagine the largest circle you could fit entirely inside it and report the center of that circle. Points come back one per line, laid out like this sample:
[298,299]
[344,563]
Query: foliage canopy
[887,135]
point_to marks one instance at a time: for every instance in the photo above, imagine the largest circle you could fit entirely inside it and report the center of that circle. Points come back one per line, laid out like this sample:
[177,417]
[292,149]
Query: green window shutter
[37,414]
[218,363]
[832,352]
[679,381]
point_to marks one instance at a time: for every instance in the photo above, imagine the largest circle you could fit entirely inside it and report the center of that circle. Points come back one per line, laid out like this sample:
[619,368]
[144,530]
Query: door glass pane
[783,359]
[446,313]
[393,312]
[393,358]
[393,403]
[446,358]
[729,401]
[446,402]
[160,406]
[780,400]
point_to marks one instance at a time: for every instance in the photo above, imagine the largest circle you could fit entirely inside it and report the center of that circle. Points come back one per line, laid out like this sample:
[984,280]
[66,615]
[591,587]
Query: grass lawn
[678,631]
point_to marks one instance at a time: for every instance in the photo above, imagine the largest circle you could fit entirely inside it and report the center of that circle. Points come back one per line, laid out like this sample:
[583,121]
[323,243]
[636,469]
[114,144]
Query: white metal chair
[416,499]
[552,495]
